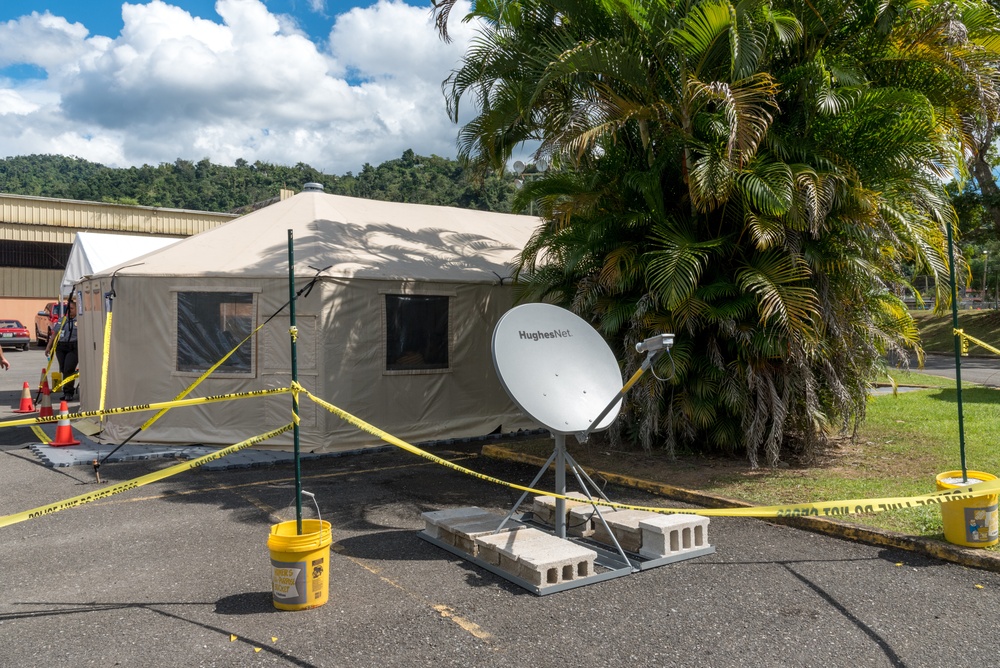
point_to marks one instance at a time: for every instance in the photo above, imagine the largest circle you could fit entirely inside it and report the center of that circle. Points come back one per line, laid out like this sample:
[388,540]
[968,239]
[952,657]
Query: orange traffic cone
[27,405]
[43,379]
[45,407]
[64,432]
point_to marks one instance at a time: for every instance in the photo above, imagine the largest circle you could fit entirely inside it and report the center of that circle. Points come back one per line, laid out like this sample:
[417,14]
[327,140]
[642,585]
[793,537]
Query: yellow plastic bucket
[56,379]
[300,564]
[969,522]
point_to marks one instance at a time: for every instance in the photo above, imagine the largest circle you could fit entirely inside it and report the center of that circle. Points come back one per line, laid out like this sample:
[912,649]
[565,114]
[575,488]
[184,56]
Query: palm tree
[751,175]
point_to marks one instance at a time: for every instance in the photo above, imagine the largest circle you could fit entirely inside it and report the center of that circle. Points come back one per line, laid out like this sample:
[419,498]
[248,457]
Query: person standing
[66,351]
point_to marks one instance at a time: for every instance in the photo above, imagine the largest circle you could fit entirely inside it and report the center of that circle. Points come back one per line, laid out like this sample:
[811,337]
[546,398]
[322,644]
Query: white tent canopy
[396,329]
[93,252]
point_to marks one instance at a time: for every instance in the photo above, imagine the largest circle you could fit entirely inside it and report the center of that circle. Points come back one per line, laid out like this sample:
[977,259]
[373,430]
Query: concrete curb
[973,558]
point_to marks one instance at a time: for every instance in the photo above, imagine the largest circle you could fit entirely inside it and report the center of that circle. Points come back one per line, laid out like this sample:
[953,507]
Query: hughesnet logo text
[552,334]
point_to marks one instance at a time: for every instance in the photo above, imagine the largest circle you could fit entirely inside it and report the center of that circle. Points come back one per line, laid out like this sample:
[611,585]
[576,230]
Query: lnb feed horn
[655,343]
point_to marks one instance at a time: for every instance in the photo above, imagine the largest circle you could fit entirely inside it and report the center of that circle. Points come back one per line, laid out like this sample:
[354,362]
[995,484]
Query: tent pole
[295,378]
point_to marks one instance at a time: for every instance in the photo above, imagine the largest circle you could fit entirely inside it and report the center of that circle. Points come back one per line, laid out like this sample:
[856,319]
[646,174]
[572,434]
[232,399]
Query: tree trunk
[982,171]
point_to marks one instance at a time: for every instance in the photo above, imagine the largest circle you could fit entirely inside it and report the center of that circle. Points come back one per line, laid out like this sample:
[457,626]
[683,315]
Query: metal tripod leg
[541,472]
[577,470]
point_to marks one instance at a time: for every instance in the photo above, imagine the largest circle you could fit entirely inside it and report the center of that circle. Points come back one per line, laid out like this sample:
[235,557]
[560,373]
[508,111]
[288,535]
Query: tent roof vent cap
[312,187]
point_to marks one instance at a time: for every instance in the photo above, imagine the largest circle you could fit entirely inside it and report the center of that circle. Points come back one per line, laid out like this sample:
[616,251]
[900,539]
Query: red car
[14,335]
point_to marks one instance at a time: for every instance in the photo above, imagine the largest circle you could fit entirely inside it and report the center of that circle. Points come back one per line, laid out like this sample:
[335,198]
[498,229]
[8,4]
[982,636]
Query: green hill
[205,186]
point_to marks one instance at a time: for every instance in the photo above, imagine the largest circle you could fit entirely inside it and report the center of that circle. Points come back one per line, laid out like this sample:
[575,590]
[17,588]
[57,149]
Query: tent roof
[93,252]
[353,237]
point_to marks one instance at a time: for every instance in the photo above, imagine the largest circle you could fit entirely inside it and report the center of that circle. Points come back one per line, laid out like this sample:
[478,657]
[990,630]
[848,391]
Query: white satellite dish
[556,368]
[518,166]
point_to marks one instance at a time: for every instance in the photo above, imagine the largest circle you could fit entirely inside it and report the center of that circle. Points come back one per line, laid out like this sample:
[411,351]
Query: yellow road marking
[465,624]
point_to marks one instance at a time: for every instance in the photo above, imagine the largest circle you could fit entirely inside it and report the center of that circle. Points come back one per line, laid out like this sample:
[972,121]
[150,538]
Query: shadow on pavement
[250,603]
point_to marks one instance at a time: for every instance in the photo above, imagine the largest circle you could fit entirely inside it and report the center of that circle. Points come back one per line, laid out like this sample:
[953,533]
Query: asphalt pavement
[982,370]
[177,573]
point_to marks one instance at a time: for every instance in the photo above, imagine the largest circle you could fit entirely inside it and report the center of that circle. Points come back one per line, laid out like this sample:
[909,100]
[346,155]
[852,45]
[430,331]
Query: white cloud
[50,42]
[251,85]
[11,102]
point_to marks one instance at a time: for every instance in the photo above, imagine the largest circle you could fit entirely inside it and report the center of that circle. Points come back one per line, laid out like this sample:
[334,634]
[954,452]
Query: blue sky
[104,17]
[324,82]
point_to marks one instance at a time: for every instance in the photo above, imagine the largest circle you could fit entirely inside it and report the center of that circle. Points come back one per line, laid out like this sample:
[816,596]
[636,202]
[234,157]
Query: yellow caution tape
[41,435]
[147,407]
[137,482]
[65,380]
[821,509]
[148,423]
[959,332]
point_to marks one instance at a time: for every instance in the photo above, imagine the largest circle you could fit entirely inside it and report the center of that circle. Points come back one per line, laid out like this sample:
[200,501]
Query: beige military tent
[396,329]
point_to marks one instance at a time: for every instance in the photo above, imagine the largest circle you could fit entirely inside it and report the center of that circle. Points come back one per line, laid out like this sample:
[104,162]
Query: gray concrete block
[508,543]
[461,526]
[666,535]
[543,508]
[583,518]
[624,524]
[433,519]
[551,563]
[537,557]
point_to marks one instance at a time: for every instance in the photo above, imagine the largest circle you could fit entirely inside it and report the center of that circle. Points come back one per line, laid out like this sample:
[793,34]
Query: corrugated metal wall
[97,217]
[19,282]
[40,219]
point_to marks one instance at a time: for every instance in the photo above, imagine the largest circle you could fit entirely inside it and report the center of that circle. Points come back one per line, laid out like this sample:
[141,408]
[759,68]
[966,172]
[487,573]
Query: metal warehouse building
[36,234]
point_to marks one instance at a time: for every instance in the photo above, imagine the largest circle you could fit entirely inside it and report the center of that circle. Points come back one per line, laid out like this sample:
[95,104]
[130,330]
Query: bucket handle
[315,503]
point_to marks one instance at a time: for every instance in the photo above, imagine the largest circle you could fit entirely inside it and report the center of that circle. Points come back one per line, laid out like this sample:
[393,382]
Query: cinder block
[543,508]
[665,535]
[624,524]
[509,543]
[537,557]
[461,526]
[552,564]
[583,518]
[433,519]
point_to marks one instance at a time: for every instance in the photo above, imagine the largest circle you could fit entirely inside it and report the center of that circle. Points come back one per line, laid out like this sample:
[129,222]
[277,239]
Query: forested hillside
[205,186]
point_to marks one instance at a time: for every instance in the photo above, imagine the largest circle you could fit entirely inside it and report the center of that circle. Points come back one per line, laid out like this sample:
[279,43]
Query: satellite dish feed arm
[652,346]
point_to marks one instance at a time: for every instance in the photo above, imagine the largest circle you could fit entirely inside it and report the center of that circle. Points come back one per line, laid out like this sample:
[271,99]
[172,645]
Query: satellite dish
[542,164]
[518,166]
[556,367]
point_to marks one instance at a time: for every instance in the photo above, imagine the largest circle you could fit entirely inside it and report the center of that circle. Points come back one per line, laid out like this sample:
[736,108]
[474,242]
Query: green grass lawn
[905,442]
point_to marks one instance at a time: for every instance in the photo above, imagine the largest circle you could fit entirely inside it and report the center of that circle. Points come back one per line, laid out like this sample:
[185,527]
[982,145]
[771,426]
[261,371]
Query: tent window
[209,325]
[416,333]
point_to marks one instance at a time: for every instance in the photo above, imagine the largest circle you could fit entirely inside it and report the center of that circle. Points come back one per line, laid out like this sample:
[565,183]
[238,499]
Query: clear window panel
[209,325]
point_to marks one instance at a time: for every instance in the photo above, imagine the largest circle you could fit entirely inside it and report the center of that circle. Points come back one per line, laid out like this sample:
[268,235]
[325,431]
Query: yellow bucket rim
[981,475]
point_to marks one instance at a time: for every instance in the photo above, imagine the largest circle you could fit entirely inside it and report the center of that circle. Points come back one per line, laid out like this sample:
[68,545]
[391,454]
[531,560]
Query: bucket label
[288,582]
[318,576]
[981,524]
